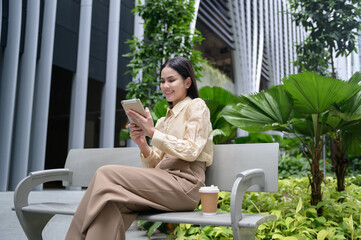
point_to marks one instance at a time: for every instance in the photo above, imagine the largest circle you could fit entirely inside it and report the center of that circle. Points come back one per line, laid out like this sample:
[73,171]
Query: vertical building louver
[264,38]
[215,15]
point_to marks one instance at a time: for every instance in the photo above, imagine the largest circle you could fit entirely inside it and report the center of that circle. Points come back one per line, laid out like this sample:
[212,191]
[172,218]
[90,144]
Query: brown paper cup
[209,199]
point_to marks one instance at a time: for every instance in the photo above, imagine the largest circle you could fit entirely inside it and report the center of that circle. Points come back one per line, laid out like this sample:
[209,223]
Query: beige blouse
[185,132]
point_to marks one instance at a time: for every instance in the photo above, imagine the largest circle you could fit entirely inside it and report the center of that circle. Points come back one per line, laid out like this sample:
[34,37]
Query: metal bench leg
[244,233]
[34,223]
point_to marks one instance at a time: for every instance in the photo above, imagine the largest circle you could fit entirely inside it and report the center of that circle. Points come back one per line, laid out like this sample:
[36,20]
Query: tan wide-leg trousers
[117,193]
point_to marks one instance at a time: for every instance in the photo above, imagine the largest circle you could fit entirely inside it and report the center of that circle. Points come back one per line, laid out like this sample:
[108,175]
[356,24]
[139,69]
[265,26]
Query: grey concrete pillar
[24,96]
[254,46]
[248,49]
[1,12]
[272,43]
[138,23]
[281,43]
[39,122]
[260,48]
[194,21]
[8,89]
[80,80]
[139,33]
[1,15]
[109,95]
[286,42]
[277,28]
[237,63]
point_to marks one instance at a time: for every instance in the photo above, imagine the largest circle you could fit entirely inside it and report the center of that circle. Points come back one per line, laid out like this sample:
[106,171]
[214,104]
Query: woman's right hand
[137,134]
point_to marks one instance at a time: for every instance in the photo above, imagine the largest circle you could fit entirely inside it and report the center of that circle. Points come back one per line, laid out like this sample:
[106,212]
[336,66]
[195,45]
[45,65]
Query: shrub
[293,166]
[297,166]
[296,218]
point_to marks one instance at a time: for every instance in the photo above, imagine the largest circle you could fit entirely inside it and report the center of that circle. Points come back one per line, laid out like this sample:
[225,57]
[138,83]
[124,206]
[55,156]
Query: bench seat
[196,217]
[52,208]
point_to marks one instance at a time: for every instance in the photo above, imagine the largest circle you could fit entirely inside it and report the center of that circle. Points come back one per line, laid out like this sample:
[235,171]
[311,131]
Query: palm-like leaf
[350,110]
[352,140]
[314,94]
[222,96]
[267,110]
[217,99]
[356,78]
[346,118]
[159,110]
[228,131]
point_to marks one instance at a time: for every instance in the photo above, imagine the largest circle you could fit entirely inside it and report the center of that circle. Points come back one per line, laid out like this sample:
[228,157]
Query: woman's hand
[144,123]
[137,135]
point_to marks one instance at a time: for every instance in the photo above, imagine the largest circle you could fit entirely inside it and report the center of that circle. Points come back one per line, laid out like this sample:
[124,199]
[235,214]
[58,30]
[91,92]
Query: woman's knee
[105,169]
[103,172]
[114,172]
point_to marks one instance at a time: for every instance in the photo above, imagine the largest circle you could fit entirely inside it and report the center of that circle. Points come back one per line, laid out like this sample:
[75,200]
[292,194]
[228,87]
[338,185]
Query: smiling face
[173,85]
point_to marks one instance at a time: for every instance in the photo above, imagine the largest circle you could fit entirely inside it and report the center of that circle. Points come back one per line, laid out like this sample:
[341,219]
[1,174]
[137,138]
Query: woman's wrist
[151,132]
[145,150]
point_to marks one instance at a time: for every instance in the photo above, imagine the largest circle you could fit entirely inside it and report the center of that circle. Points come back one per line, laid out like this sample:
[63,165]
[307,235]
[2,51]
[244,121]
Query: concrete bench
[238,168]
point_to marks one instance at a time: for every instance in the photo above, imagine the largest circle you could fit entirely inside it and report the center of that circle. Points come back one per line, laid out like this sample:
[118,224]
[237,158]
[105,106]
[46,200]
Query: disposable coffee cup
[209,199]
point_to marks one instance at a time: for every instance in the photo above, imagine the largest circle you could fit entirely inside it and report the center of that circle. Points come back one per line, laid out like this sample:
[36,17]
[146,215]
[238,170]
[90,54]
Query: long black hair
[184,68]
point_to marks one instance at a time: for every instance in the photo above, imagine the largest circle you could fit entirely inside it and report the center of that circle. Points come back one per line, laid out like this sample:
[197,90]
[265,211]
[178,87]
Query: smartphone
[135,105]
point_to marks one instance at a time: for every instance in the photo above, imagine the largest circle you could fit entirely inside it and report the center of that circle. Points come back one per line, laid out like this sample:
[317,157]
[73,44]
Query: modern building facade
[62,70]
[62,78]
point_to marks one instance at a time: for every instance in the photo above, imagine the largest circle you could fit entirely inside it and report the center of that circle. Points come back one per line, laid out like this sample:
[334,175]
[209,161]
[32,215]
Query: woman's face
[173,85]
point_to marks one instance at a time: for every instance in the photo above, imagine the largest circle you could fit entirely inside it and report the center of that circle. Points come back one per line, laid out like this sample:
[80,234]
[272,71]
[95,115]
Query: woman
[175,165]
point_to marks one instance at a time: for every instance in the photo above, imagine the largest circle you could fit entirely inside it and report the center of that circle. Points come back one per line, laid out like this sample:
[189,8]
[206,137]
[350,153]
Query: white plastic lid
[209,189]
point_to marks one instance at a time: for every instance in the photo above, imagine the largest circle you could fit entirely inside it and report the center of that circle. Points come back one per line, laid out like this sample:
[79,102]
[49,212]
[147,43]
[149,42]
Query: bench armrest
[244,180]
[25,186]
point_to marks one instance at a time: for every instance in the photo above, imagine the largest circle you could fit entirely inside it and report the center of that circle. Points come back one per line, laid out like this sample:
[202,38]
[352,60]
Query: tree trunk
[317,176]
[316,181]
[332,64]
[338,157]
[339,162]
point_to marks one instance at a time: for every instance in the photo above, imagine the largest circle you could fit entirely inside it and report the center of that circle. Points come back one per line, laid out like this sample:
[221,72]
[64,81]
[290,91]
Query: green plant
[298,166]
[296,218]
[217,99]
[290,166]
[355,168]
[301,106]
[166,34]
[332,26]
[287,144]
[312,56]
[356,179]
[345,135]
[258,138]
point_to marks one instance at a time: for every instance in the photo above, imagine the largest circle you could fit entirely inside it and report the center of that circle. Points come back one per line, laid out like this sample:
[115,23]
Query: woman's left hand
[144,122]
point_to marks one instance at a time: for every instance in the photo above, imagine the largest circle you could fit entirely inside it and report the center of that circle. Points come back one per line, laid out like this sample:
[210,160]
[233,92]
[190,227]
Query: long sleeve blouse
[185,132]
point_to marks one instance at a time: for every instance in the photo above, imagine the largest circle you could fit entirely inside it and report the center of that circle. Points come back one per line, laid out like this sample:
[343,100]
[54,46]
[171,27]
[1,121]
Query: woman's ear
[188,82]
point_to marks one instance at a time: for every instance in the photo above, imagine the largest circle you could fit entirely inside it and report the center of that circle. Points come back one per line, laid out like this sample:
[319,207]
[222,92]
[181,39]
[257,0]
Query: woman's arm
[137,135]
[150,157]
[198,131]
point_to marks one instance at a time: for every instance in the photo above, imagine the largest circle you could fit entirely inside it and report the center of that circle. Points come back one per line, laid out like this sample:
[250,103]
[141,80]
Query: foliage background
[296,218]
[332,27]
[166,34]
